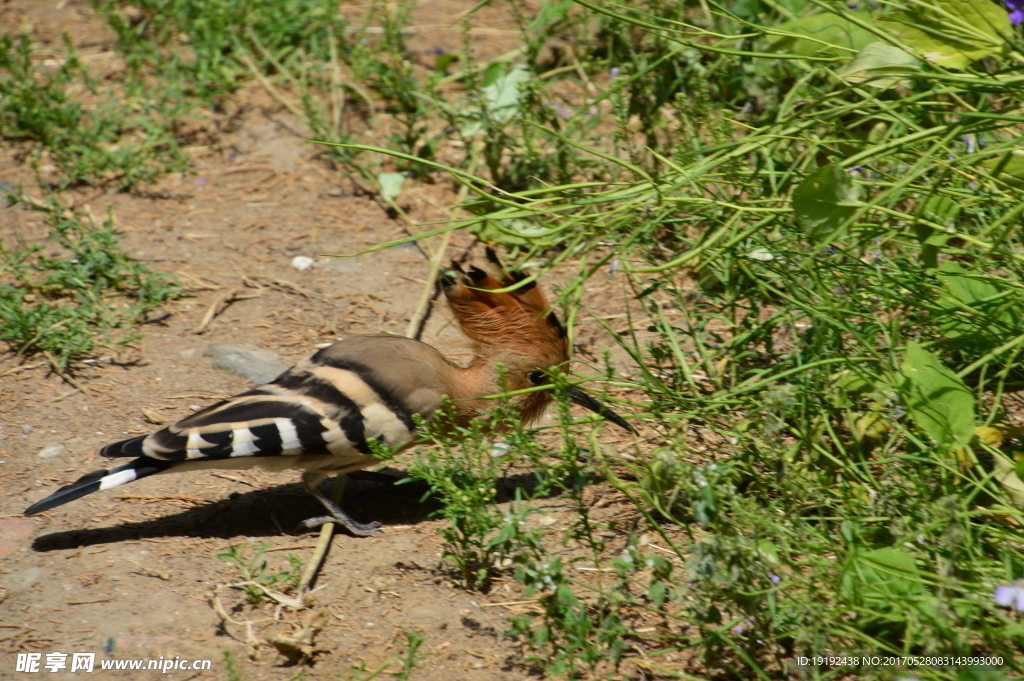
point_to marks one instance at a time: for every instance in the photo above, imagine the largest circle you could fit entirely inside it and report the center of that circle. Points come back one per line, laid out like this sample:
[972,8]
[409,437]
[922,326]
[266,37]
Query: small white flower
[302,262]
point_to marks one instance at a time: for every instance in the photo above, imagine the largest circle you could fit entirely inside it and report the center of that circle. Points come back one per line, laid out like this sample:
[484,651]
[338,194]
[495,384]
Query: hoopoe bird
[320,416]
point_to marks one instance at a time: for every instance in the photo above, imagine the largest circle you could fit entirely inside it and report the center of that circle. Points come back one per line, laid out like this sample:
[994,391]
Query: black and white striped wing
[311,410]
[318,417]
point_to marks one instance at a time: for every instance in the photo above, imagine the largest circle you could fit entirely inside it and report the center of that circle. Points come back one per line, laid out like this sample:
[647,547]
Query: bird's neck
[483,377]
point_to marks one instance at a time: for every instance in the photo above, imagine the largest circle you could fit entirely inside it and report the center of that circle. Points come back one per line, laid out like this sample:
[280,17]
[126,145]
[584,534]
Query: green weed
[66,296]
[812,211]
[255,572]
[410,655]
[231,669]
[109,141]
[818,233]
[462,472]
[202,47]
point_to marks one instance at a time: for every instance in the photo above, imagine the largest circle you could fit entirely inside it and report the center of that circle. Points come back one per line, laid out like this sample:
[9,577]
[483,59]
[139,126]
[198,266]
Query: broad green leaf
[951,33]
[824,201]
[882,577]
[936,399]
[550,13]
[760,254]
[657,592]
[847,385]
[832,30]
[1006,472]
[982,311]
[891,571]
[870,429]
[390,185]
[514,232]
[503,95]
[963,285]
[443,61]
[1010,170]
[880,65]
[888,574]
[769,551]
[943,210]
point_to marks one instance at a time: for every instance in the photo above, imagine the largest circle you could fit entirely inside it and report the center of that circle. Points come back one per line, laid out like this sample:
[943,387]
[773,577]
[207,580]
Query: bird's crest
[518,320]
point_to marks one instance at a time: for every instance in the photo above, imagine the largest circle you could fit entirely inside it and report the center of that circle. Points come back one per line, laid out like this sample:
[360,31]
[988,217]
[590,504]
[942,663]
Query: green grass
[76,291]
[818,235]
[256,573]
[200,48]
[847,349]
[232,671]
[112,139]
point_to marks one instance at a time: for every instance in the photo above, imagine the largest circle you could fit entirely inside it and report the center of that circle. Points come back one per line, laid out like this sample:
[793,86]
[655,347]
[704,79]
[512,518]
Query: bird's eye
[536,377]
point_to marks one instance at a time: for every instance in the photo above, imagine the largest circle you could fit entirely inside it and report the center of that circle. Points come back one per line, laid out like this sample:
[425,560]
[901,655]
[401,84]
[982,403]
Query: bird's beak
[587,402]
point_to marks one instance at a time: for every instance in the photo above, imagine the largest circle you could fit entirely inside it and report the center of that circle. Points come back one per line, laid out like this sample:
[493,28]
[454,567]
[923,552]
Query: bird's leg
[311,481]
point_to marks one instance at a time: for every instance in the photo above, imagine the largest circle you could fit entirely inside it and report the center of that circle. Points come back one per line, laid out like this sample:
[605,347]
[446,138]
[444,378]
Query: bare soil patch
[129,573]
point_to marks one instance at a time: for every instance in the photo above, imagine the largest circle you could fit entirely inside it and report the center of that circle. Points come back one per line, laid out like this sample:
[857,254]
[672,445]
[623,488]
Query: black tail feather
[130,447]
[98,480]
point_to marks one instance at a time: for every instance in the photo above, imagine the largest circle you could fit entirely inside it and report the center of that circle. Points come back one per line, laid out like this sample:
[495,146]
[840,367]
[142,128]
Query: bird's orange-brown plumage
[321,416]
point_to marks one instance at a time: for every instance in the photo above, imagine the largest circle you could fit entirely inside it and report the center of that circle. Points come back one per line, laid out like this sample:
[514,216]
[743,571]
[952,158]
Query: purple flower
[852,5]
[563,110]
[1016,8]
[969,140]
[740,628]
[1011,595]
[774,577]
[614,73]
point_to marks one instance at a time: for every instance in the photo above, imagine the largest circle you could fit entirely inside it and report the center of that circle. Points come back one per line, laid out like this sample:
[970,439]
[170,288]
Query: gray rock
[23,579]
[259,366]
[26,428]
[51,451]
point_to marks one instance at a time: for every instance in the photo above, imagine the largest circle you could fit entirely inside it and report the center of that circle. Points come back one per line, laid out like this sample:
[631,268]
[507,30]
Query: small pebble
[51,451]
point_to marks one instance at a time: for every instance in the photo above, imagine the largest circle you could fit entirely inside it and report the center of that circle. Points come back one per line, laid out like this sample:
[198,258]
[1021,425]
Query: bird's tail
[100,480]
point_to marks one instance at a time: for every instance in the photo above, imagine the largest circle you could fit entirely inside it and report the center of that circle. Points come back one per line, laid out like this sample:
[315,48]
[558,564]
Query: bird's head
[517,330]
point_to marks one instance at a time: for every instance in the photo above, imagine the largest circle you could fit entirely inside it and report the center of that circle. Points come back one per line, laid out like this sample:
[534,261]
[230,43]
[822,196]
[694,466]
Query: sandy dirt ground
[128,574]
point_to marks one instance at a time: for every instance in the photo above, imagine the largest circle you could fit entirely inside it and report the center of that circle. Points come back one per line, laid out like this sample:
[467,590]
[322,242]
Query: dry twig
[220,304]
